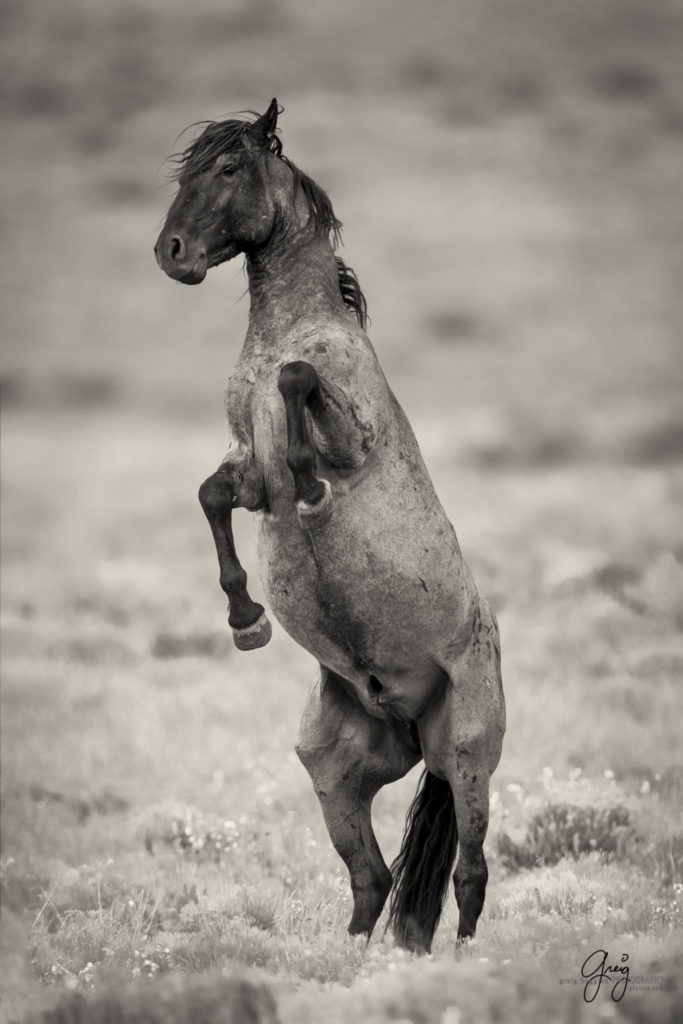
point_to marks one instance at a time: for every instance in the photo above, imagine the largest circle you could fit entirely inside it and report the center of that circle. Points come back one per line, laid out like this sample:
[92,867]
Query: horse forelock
[216,138]
[230,136]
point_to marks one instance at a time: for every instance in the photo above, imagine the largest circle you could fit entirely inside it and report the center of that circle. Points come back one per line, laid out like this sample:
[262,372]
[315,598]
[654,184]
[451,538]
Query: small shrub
[190,833]
[21,885]
[194,645]
[659,593]
[81,807]
[170,1000]
[259,910]
[565,830]
[662,859]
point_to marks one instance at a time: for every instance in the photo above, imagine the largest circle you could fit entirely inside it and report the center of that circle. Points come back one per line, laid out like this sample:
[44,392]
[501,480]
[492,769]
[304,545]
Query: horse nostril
[177,248]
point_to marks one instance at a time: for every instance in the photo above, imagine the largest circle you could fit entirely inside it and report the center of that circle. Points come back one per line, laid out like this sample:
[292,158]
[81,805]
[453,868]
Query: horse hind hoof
[256,635]
[314,517]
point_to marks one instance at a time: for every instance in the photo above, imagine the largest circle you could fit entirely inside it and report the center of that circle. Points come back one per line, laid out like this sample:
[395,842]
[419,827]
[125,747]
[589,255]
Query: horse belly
[363,598]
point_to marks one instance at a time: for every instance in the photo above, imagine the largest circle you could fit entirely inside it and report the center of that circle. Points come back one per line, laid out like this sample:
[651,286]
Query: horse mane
[351,292]
[229,136]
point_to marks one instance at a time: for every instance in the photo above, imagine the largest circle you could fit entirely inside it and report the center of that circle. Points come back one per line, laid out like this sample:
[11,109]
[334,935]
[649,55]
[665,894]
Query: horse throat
[290,279]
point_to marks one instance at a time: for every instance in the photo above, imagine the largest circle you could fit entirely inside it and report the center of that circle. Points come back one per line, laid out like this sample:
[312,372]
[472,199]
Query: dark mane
[351,292]
[229,136]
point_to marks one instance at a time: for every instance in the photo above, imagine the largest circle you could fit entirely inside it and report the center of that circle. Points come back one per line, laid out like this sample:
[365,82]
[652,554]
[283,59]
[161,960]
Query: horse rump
[422,870]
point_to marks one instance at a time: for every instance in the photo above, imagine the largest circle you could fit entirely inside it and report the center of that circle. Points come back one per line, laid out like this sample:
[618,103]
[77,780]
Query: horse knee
[233,579]
[297,377]
[477,754]
[370,892]
[214,496]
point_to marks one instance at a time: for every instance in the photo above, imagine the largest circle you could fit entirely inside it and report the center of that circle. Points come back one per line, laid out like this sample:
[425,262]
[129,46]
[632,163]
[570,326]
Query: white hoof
[314,517]
[256,635]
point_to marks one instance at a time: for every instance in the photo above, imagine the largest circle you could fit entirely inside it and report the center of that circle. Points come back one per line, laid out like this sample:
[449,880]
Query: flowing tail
[423,867]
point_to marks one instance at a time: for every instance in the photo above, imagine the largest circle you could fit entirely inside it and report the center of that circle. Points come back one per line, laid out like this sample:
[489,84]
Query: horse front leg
[300,388]
[247,618]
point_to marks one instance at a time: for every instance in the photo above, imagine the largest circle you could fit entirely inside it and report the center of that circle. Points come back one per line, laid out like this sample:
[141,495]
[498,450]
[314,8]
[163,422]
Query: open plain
[509,180]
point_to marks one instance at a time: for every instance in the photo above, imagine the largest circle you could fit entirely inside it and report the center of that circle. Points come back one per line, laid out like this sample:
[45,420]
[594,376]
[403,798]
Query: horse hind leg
[349,756]
[299,387]
[247,618]
[462,735]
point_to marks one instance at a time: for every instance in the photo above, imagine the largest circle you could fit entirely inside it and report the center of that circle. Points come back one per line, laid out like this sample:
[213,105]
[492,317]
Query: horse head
[222,207]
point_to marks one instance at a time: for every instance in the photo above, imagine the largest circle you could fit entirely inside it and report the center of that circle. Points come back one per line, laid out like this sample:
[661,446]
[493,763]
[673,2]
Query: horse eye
[228,171]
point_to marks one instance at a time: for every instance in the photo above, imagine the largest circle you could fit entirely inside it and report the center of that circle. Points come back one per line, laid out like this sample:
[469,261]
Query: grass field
[509,180]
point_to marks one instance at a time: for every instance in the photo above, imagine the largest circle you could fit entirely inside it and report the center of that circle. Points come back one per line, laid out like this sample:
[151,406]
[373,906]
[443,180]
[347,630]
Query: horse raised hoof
[315,516]
[256,635]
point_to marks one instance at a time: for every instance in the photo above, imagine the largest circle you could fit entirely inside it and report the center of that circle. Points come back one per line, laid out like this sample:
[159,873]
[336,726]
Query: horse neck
[293,275]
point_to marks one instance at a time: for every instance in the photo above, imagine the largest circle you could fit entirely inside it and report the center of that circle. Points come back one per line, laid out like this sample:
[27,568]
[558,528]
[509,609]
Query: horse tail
[423,867]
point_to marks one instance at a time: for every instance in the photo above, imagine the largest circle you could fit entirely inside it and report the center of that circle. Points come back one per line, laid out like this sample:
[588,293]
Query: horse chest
[256,420]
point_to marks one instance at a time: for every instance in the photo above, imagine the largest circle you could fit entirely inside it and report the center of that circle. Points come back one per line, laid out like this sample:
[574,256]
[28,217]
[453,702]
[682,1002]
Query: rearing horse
[358,559]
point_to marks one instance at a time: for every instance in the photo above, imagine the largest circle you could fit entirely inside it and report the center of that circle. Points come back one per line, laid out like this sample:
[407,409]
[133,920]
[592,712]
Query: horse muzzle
[182,265]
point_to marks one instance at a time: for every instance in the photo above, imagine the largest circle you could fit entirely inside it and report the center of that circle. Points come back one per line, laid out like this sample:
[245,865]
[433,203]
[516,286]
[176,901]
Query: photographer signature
[596,969]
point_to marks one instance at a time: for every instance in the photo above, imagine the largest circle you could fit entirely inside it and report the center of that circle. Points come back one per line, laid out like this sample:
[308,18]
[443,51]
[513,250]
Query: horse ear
[263,129]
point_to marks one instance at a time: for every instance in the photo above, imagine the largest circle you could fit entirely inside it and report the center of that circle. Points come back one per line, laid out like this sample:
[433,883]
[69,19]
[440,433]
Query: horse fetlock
[368,902]
[469,883]
[297,378]
[363,921]
[258,634]
[233,581]
[315,515]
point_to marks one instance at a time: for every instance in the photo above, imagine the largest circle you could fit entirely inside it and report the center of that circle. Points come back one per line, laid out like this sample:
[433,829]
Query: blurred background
[509,176]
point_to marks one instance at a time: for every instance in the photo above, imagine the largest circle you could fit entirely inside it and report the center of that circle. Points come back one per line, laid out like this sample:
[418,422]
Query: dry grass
[511,194]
